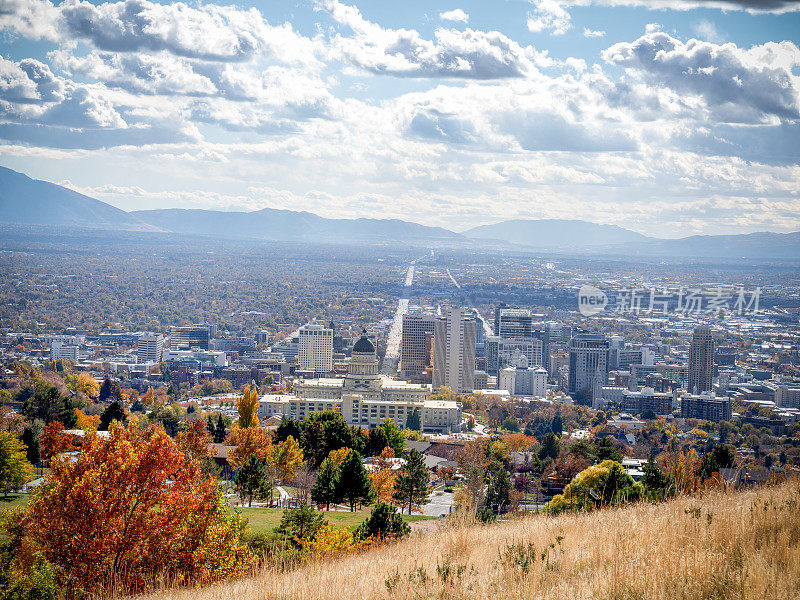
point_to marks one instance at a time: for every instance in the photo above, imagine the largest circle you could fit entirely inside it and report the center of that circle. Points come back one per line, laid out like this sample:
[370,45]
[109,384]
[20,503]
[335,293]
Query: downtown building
[149,348]
[648,399]
[416,346]
[588,363]
[315,349]
[701,360]
[454,351]
[706,407]
[502,353]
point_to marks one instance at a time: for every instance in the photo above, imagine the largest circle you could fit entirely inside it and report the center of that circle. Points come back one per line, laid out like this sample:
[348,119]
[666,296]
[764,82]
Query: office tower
[262,337]
[514,323]
[315,350]
[194,336]
[706,407]
[588,361]
[701,360]
[149,348]
[414,345]
[500,352]
[454,351]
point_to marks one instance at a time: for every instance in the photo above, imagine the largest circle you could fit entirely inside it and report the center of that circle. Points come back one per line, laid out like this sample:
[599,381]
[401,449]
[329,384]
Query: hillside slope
[34,202]
[555,233]
[743,545]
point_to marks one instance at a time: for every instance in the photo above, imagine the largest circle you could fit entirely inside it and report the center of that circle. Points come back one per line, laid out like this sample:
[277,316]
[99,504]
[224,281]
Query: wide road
[392,358]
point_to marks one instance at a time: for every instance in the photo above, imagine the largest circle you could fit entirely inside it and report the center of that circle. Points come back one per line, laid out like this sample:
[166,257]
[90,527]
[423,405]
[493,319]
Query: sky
[667,117]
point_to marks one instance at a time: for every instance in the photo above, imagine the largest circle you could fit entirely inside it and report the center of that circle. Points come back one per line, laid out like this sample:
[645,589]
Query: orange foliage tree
[383,476]
[53,440]
[87,422]
[249,442]
[194,440]
[129,512]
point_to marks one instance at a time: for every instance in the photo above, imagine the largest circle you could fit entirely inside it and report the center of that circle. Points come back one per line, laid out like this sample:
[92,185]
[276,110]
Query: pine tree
[411,485]
[220,432]
[325,488]
[498,490]
[354,484]
[251,480]
[113,412]
[414,420]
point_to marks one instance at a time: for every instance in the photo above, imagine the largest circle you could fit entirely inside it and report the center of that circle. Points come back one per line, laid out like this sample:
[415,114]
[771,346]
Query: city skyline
[672,121]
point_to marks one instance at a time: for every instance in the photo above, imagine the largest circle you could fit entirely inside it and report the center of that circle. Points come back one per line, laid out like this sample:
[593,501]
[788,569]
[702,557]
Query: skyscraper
[588,356]
[414,350]
[194,336]
[315,352]
[701,360]
[514,323]
[454,351]
[149,347]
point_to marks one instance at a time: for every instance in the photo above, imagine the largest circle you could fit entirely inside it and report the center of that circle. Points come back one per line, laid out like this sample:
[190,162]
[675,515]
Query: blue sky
[669,117]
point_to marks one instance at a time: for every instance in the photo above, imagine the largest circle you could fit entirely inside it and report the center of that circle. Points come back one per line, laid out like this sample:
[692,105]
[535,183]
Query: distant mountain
[289,225]
[749,246]
[555,233]
[30,201]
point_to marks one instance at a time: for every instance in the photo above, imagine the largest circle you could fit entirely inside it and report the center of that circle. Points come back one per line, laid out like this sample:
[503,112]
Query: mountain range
[32,202]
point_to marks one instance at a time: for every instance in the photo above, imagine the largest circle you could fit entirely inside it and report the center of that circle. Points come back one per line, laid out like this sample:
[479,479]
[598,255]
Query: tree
[604,449]
[353,484]
[323,432]
[511,424]
[250,442]
[54,441]
[654,479]
[247,405]
[383,522]
[498,491]
[31,441]
[131,511]
[43,401]
[648,414]
[15,470]
[411,484]
[325,488]
[382,478]
[551,446]
[194,440]
[289,427]
[722,456]
[301,523]
[113,412]
[394,436]
[414,420]
[220,431]
[376,441]
[287,458]
[251,480]
[108,390]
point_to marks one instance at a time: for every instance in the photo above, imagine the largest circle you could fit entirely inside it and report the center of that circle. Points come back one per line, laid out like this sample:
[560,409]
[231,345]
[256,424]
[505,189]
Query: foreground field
[743,545]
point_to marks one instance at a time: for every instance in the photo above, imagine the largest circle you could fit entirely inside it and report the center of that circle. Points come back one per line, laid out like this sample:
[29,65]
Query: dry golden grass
[743,545]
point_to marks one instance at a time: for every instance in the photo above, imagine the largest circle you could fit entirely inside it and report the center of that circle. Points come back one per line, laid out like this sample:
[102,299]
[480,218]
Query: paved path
[439,504]
[284,494]
[453,279]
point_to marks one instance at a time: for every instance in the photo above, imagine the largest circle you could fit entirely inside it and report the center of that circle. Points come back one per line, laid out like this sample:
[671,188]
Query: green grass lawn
[262,520]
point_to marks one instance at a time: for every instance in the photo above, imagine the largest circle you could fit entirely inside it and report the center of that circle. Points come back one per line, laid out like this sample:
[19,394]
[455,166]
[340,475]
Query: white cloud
[593,33]
[468,54]
[739,85]
[549,15]
[752,6]
[708,31]
[456,15]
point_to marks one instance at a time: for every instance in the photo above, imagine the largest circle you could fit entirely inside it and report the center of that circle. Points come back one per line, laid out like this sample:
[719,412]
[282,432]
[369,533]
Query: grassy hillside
[725,545]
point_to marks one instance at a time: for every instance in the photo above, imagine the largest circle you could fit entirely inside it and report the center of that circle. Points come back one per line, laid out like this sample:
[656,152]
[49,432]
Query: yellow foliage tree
[88,423]
[338,456]
[328,541]
[250,442]
[287,457]
[15,469]
[683,469]
[247,404]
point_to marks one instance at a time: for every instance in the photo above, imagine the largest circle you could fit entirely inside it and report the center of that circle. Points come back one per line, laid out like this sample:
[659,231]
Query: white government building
[365,398]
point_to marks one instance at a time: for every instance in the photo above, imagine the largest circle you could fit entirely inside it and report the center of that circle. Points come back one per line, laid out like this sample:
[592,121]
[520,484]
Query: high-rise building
[315,350]
[414,345]
[59,349]
[588,361]
[454,351]
[149,347]
[193,336]
[706,407]
[514,323]
[701,360]
[501,352]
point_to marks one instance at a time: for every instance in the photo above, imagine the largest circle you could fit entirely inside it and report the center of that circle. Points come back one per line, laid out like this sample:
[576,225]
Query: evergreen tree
[414,420]
[394,436]
[113,412]
[411,485]
[210,426]
[354,484]
[605,450]
[220,431]
[289,427]
[551,446]
[383,522]
[251,480]
[31,441]
[498,490]
[654,479]
[324,490]
[376,441]
[300,523]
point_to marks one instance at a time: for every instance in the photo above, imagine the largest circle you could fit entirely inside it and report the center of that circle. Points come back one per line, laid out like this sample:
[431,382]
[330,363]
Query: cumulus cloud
[549,15]
[466,54]
[593,33]
[456,15]
[740,85]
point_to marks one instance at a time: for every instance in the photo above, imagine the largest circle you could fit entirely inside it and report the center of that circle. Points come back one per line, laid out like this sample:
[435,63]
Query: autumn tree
[411,485]
[383,475]
[53,440]
[353,484]
[250,442]
[87,423]
[194,440]
[247,405]
[15,470]
[287,458]
[131,511]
